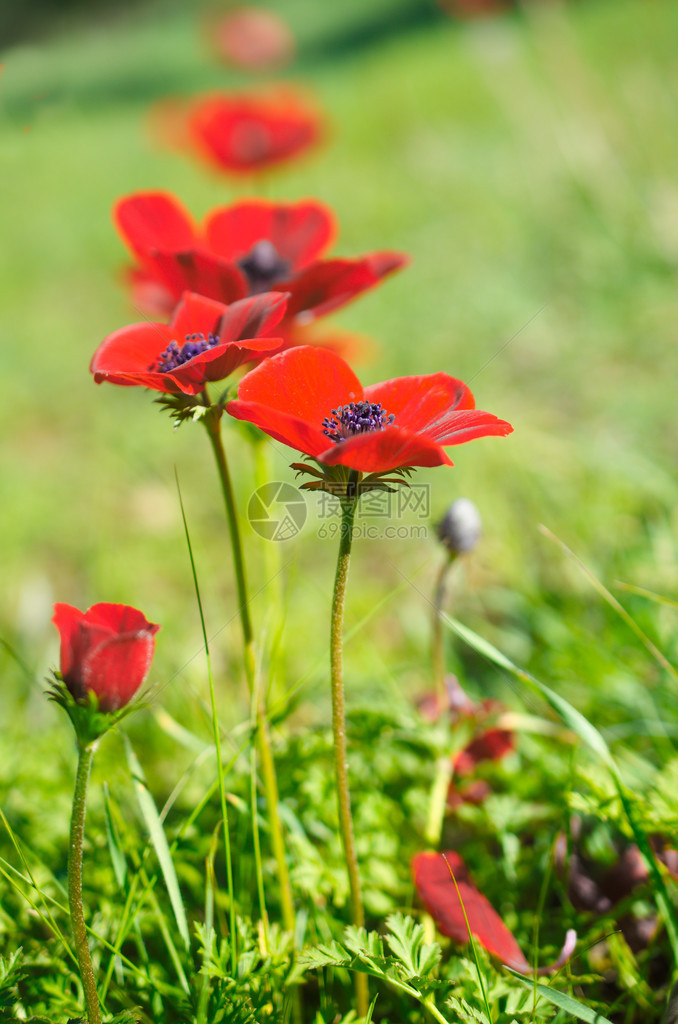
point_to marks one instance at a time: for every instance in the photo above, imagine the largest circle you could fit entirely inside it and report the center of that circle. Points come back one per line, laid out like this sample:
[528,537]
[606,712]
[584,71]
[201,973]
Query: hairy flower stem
[85,758]
[339,731]
[212,421]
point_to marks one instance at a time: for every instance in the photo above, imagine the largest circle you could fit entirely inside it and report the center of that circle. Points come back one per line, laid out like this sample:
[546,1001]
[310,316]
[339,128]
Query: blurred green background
[528,164]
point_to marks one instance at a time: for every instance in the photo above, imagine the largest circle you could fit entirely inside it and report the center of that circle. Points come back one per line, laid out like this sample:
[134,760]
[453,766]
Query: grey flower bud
[461,526]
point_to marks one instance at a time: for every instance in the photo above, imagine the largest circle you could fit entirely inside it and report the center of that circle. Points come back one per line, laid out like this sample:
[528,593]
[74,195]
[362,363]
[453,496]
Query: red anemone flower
[204,341]
[252,246]
[106,650]
[246,133]
[311,400]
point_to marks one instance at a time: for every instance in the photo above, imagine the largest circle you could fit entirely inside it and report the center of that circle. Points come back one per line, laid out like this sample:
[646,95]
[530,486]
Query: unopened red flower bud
[106,650]
[461,526]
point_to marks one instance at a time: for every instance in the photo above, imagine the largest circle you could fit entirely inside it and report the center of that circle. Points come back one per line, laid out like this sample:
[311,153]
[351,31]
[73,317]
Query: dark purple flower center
[176,354]
[263,266]
[356,418]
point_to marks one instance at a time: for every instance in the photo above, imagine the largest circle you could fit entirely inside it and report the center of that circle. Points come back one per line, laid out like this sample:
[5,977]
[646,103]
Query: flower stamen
[355,418]
[176,355]
[263,266]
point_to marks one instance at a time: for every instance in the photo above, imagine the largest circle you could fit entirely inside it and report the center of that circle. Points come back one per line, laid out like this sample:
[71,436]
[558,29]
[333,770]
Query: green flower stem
[274,576]
[339,731]
[212,421]
[437,804]
[78,927]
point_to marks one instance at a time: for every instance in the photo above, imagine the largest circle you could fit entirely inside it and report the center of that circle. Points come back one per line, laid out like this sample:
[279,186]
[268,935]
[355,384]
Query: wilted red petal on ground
[438,893]
[433,877]
[492,745]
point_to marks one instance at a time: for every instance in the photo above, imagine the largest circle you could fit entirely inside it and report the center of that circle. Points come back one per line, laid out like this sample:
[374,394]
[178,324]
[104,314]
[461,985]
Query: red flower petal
[439,406]
[460,427]
[116,668]
[492,745]
[437,892]
[327,285]
[154,220]
[119,618]
[384,450]
[196,314]
[196,270]
[421,401]
[300,232]
[125,356]
[281,427]
[290,395]
[250,318]
[67,620]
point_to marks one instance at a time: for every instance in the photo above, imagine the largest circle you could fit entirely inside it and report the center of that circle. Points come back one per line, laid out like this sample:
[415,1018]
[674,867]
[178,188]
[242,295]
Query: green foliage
[260,990]
[10,975]
[409,969]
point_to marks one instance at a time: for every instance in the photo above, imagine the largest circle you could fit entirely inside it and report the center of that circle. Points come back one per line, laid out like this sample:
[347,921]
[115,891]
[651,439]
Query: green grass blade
[659,657]
[206,984]
[217,738]
[46,916]
[159,841]
[117,856]
[649,594]
[564,1002]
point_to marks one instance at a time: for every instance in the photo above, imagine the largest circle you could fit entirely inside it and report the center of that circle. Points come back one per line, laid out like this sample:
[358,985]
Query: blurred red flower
[252,246]
[252,39]
[311,400]
[204,341]
[106,650]
[242,133]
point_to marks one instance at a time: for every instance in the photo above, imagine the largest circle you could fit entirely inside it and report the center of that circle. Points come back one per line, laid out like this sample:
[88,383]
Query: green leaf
[406,941]
[331,955]
[159,840]
[562,1001]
